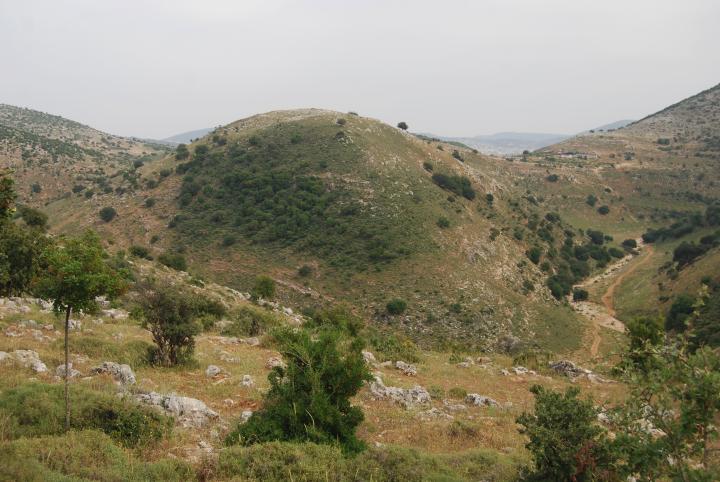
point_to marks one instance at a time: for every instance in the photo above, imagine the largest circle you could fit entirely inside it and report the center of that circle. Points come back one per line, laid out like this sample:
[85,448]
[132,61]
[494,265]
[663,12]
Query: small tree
[74,274]
[396,306]
[564,439]
[264,288]
[108,213]
[181,152]
[170,316]
[402,125]
[309,400]
[7,195]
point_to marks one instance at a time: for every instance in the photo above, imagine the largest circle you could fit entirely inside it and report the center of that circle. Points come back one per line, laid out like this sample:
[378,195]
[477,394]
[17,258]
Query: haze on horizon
[156,68]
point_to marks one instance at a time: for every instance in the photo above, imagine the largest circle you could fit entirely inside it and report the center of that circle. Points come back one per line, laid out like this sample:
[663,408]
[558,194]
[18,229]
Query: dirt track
[603,315]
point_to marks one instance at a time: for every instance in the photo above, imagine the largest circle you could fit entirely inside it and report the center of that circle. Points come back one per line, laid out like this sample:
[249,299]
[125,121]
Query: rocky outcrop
[122,374]
[407,397]
[406,368]
[480,400]
[247,381]
[274,361]
[72,373]
[188,412]
[30,359]
[213,371]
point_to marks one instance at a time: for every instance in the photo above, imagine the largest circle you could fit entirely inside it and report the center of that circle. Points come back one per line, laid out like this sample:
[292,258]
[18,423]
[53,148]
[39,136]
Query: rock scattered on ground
[574,372]
[480,400]
[407,397]
[247,381]
[245,415]
[30,359]
[369,358]
[275,361]
[188,412]
[121,373]
[72,373]
[407,368]
[213,371]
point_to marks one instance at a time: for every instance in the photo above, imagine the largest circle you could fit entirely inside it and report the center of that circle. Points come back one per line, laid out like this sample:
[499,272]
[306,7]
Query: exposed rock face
[213,371]
[406,368]
[30,359]
[252,341]
[74,324]
[115,314]
[568,368]
[189,412]
[407,397]
[480,400]
[122,374]
[245,416]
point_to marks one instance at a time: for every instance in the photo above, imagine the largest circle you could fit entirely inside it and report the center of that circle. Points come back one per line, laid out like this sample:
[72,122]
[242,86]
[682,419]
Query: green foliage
[393,346]
[591,200]
[170,316]
[175,261]
[629,244]
[680,310]
[20,251]
[80,456]
[443,222]
[564,440]
[552,178]
[309,400]
[459,185]
[75,272]
[456,154]
[139,251]
[36,409]
[534,254]
[685,253]
[108,213]
[33,217]
[7,195]
[396,306]
[603,210]
[181,152]
[150,202]
[428,166]
[277,194]
[305,271]
[457,393]
[251,321]
[264,288]
[580,294]
[403,126]
[645,334]
[706,321]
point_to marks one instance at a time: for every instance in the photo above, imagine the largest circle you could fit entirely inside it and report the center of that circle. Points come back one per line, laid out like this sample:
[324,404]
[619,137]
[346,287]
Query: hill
[187,137]
[337,207]
[503,143]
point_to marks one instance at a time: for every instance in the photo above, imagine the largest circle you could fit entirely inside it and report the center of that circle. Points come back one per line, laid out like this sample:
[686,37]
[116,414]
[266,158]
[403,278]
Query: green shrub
[396,306]
[552,178]
[309,400]
[251,321]
[305,271]
[393,346]
[264,288]
[36,409]
[615,252]
[459,185]
[591,200]
[83,455]
[534,254]
[229,240]
[564,439]
[139,252]
[443,222]
[629,244]
[603,210]
[107,214]
[580,294]
[33,217]
[175,261]
[150,202]
[428,166]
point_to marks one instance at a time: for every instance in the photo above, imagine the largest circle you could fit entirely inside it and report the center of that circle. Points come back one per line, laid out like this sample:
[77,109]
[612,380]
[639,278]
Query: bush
[591,200]
[175,261]
[428,166]
[33,217]
[139,251]
[403,126]
[629,244]
[229,240]
[83,455]
[396,306]
[392,346]
[459,185]
[564,439]
[150,202]
[443,222]
[580,294]
[107,214]
[36,409]
[264,288]
[457,393]
[309,400]
[615,252]
[603,210]
[305,271]
[456,154]
[251,321]
[534,254]
[681,308]
[552,178]
[170,316]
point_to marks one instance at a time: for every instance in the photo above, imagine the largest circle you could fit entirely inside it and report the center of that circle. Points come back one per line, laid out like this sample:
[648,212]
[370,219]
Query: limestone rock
[213,371]
[407,397]
[30,359]
[122,374]
[189,412]
[60,371]
[406,368]
[247,381]
[480,400]
[275,361]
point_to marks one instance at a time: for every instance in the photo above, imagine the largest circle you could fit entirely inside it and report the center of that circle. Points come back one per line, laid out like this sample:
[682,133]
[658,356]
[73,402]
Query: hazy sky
[158,67]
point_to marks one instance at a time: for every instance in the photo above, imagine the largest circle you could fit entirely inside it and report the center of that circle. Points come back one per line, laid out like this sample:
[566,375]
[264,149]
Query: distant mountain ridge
[187,137]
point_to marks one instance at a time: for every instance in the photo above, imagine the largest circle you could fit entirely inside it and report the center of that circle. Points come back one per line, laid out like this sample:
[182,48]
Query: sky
[154,68]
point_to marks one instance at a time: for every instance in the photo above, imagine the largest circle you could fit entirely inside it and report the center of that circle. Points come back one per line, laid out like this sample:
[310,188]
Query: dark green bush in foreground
[37,409]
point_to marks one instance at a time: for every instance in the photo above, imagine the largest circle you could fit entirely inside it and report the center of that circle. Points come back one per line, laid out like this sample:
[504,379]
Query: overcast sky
[154,68]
